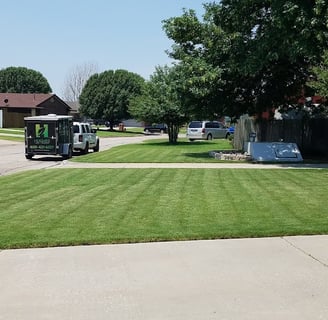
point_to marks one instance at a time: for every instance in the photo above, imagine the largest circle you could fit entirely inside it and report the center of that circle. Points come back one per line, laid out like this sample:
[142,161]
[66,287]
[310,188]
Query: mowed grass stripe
[78,206]
[159,151]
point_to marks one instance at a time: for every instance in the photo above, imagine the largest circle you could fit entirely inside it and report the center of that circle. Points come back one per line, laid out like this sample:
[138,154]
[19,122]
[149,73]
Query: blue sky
[54,36]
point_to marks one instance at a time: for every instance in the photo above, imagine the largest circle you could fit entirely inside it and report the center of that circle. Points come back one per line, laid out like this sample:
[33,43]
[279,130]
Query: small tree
[23,80]
[160,101]
[76,79]
[107,95]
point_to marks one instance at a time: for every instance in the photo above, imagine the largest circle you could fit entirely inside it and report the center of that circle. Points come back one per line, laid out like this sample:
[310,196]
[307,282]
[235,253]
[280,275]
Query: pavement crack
[305,252]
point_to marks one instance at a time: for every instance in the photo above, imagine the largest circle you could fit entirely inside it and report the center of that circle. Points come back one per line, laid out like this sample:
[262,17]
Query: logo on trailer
[42,130]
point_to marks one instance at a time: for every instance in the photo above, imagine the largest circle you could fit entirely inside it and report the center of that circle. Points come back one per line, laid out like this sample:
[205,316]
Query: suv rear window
[195,124]
[76,129]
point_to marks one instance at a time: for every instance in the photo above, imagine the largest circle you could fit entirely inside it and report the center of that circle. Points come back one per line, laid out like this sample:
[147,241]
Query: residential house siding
[15,106]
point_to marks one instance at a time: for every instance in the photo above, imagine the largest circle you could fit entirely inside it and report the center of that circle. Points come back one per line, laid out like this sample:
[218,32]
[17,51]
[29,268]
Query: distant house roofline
[26,100]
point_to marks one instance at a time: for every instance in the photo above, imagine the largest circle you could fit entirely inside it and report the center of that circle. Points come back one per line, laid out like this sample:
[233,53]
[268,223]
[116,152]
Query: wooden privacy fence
[311,135]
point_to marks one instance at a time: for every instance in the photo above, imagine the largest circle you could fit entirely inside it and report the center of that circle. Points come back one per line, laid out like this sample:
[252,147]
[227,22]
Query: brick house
[15,106]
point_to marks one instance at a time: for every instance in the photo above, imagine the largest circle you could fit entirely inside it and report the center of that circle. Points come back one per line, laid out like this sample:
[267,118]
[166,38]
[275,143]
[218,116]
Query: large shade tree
[161,101]
[107,95]
[262,51]
[23,80]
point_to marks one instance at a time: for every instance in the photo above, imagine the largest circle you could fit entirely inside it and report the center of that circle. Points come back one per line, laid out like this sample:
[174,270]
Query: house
[75,109]
[15,106]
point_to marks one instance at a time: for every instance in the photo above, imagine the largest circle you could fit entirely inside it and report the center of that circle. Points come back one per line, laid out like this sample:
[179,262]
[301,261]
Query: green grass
[159,151]
[15,132]
[12,138]
[97,206]
[12,131]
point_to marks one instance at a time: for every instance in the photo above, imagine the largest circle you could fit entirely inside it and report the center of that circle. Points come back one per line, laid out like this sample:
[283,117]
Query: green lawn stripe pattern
[159,151]
[95,206]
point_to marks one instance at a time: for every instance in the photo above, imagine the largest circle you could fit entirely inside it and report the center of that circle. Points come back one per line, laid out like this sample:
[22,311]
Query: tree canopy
[246,56]
[23,80]
[107,95]
[319,82]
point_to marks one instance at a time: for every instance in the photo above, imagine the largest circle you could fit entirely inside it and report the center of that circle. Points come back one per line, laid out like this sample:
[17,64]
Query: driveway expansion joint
[305,252]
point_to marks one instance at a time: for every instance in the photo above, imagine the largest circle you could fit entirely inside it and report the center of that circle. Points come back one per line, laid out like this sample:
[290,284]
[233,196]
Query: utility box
[49,135]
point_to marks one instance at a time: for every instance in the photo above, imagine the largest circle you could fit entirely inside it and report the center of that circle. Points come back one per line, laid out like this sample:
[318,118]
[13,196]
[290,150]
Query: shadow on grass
[199,155]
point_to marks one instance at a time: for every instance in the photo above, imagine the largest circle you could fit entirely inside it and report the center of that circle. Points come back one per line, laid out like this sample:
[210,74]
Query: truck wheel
[96,148]
[29,156]
[86,149]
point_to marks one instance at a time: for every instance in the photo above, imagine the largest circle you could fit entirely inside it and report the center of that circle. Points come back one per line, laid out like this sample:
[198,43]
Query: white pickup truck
[85,137]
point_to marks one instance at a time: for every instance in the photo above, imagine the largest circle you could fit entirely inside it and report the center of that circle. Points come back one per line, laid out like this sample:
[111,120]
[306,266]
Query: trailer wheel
[70,153]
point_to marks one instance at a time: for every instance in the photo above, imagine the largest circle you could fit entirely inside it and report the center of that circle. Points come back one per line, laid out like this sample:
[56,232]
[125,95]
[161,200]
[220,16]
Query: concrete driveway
[270,278]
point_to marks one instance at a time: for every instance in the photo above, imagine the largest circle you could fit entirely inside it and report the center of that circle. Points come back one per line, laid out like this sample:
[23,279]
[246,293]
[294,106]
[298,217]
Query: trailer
[49,135]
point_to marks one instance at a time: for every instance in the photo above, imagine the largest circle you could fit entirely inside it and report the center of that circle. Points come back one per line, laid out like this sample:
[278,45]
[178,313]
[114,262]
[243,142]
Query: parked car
[231,129]
[85,137]
[161,128]
[206,130]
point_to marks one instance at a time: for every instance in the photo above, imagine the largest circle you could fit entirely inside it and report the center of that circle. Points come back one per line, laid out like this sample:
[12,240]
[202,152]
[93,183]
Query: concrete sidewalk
[205,165]
[269,278]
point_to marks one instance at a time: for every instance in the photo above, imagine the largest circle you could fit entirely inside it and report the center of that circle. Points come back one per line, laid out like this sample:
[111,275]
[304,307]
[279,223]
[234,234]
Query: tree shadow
[198,155]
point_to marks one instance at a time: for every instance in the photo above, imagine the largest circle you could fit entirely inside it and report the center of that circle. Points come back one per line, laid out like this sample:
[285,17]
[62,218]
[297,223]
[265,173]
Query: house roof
[74,105]
[23,100]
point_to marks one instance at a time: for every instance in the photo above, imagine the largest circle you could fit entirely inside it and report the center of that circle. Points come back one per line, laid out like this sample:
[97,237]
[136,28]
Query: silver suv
[206,130]
[85,137]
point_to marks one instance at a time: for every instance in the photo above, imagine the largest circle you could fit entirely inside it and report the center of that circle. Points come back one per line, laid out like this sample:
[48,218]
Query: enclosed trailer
[49,135]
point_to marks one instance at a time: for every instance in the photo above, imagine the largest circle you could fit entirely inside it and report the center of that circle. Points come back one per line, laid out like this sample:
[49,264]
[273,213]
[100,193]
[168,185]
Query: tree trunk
[173,131]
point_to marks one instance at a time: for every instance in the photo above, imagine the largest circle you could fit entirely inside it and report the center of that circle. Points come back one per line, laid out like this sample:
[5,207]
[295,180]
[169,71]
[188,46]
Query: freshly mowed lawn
[97,206]
[159,151]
